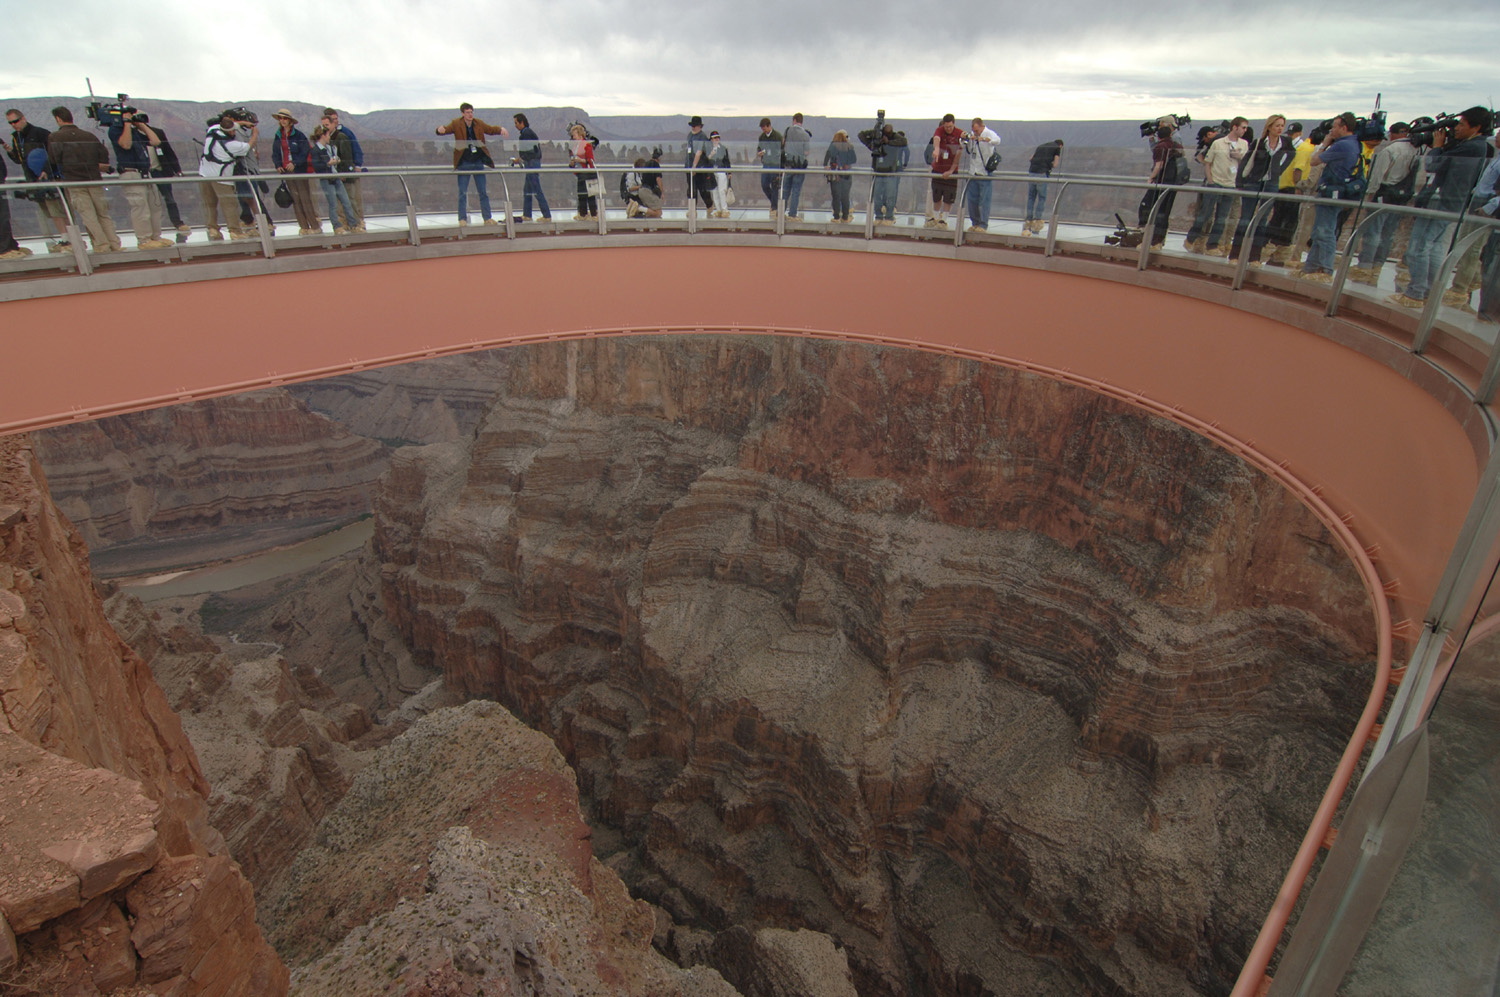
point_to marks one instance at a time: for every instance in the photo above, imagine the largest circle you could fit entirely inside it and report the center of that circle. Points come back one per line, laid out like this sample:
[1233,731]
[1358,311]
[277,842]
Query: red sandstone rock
[98,783]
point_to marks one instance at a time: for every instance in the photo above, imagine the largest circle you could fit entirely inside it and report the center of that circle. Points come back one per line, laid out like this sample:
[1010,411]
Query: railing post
[267,233]
[1052,220]
[411,214]
[1149,228]
[958,223]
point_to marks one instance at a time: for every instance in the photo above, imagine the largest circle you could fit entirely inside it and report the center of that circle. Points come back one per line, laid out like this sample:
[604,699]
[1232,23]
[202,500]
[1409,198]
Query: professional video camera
[1423,129]
[1371,129]
[242,116]
[1124,236]
[109,115]
[1172,121]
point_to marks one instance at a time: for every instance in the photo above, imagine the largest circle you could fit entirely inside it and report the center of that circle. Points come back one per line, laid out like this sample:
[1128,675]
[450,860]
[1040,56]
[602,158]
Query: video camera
[242,116]
[1371,129]
[1149,128]
[1423,129]
[109,115]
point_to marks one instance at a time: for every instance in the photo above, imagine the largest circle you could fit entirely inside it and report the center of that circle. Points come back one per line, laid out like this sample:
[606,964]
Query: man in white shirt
[224,144]
[979,145]
[1222,161]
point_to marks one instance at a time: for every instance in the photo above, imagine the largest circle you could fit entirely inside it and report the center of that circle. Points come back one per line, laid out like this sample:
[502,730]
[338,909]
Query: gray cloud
[1074,59]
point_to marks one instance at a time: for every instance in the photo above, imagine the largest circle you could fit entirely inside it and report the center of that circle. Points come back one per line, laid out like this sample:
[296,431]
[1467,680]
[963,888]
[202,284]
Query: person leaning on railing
[80,156]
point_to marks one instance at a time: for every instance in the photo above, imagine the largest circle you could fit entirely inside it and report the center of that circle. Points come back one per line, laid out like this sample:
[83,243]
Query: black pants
[7,240]
[1168,196]
[588,206]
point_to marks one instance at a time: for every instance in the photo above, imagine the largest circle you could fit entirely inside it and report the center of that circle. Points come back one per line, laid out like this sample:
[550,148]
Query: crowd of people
[1449,168]
[140,150]
[1346,163]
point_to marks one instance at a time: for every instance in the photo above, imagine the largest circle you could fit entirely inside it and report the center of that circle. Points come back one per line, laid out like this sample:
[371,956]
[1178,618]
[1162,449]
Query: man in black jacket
[164,163]
[26,138]
[1453,170]
[888,156]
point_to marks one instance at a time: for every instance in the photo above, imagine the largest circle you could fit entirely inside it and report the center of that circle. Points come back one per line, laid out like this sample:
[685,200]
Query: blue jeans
[1036,201]
[533,187]
[1424,254]
[1213,215]
[770,183]
[1375,241]
[336,196]
[977,197]
[463,191]
[887,186]
[792,192]
[1325,237]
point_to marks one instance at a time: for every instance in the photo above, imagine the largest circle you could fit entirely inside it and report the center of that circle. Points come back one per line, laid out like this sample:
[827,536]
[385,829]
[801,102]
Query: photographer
[1169,170]
[131,140]
[226,143]
[888,152]
[1396,173]
[1339,156]
[1458,155]
[164,163]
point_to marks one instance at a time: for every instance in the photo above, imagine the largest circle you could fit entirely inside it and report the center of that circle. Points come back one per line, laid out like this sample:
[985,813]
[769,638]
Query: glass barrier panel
[1438,929]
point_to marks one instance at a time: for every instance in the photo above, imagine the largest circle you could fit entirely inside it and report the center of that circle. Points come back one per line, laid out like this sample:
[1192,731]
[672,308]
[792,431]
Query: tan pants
[91,209]
[220,196]
[355,189]
[302,204]
[145,207]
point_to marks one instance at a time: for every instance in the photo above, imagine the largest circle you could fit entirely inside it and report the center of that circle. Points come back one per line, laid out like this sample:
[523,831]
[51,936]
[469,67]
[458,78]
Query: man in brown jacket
[80,156]
[471,154]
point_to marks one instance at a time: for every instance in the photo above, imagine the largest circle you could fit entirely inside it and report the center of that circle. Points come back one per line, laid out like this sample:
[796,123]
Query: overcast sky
[1064,59]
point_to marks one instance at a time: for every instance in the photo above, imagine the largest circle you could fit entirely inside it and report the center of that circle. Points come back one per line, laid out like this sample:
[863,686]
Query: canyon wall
[1006,686]
[207,480]
[110,873]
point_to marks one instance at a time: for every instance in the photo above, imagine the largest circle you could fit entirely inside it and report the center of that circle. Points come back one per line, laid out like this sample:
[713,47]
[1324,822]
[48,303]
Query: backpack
[1401,191]
[624,187]
[1177,171]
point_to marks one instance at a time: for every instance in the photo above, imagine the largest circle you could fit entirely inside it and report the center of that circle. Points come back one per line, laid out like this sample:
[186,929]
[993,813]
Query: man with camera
[131,140]
[229,139]
[80,156]
[1339,156]
[1458,155]
[164,163]
[888,152]
[982,158]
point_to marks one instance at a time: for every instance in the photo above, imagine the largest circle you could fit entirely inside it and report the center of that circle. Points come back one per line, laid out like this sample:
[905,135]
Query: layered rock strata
[206,480]
[102,811]
[434,401]
[459,864]
[1006,686]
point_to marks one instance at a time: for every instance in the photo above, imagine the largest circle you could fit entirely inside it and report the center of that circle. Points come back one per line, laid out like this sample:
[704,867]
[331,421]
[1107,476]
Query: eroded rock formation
[459,864]
[1006,686]
[102,809]
[206,480]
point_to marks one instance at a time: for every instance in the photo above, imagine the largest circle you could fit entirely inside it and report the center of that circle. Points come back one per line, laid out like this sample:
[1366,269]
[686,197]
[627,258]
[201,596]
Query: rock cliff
[459,864]
[1006,686]
[102,811]
[206,480]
